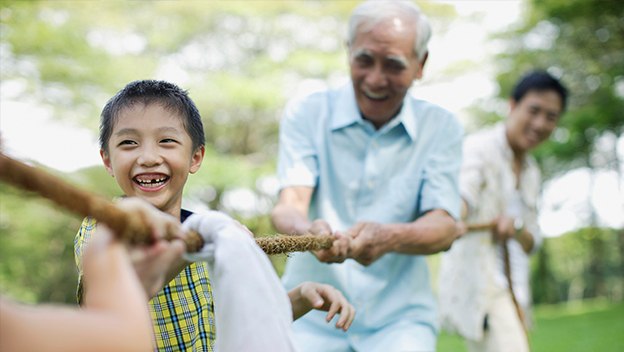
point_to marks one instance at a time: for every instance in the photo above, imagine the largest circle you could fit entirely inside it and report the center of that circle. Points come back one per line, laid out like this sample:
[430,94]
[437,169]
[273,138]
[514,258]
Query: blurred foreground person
[499,184]
[117,318]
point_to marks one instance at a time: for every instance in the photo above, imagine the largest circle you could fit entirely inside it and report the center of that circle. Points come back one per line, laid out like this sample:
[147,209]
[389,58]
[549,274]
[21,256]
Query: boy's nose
[149,157]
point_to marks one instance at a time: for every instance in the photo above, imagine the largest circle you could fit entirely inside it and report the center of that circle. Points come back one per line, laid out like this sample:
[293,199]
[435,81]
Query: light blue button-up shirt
[391,175]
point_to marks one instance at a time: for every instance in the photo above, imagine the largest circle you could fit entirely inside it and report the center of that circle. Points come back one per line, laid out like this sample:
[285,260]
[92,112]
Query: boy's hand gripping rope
[124,224]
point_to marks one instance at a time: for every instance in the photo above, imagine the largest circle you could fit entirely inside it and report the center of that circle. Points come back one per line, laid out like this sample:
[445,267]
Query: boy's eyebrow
[134,131]
[126,131]
[169,129]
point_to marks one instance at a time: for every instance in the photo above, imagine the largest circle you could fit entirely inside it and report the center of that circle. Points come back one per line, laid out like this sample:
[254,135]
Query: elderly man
[378,169]
[500,184]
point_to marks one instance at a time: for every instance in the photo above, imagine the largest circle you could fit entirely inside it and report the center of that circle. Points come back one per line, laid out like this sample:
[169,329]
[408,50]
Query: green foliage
[583,42]
[583,264]
[36,249]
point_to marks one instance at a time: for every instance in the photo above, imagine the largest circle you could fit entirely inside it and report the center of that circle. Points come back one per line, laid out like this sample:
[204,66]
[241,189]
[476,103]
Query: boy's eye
[127,142]
[167,140]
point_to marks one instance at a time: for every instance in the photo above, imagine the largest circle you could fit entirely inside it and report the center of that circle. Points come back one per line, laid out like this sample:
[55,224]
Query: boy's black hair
[539,81]
[147,92]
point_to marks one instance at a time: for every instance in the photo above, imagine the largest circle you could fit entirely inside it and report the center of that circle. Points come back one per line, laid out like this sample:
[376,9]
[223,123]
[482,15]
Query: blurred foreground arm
[117,318]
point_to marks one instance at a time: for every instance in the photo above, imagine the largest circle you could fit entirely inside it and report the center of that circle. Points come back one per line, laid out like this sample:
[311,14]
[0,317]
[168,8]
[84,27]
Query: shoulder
[481,140]
[314,105]
[308,103]
[86,229]
[433,113]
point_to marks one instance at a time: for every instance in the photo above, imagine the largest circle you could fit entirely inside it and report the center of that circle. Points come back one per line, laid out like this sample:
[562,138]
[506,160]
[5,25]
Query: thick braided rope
[124,224]
[286,244]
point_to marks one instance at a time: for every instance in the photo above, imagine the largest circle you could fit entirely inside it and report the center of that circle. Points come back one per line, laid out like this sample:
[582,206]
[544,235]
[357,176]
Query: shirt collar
[501,139]
[348,113]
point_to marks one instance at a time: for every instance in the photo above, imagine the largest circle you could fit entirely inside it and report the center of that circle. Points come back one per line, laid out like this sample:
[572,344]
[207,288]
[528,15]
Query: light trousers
[504,332]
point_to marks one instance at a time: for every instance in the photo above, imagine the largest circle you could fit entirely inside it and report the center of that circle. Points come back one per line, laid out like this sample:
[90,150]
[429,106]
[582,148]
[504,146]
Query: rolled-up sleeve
[297,160]
[440,188]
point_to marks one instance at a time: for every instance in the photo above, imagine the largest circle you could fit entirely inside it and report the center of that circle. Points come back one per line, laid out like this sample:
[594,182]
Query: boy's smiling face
[150,155]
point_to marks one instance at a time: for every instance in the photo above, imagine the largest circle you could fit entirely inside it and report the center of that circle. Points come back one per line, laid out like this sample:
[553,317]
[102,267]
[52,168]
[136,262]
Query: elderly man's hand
[369,242]
[460,229]
[340,249]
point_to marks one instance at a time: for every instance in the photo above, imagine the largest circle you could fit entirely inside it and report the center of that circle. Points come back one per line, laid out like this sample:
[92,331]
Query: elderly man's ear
[418,73]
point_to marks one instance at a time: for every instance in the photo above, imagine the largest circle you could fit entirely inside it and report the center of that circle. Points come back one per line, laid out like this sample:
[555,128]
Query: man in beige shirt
[499,184]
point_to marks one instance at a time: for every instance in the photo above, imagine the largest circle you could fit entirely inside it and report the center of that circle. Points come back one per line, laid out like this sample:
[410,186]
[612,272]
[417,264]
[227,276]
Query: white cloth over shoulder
[252,310]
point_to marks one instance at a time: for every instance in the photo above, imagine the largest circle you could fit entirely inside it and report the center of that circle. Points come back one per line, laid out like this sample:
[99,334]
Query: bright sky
[29,132]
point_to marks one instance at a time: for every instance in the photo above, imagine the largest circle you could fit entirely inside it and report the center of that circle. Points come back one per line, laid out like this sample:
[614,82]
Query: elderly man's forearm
[288,220]
[430,234]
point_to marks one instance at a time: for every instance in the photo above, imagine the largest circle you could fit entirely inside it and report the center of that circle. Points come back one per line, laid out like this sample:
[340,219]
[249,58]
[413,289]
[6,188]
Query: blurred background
[242,60]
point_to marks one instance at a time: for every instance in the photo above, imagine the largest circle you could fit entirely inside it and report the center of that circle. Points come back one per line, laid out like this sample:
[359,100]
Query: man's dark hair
[147,92]
[539,81]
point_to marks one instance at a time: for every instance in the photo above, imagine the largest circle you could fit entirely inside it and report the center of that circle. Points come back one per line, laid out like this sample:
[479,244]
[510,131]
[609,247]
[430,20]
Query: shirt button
[358,303]
[356,337]
[375,144]
[370,185]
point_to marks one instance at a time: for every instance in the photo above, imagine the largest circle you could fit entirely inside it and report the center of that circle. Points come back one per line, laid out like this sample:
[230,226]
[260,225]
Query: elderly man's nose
[376,77]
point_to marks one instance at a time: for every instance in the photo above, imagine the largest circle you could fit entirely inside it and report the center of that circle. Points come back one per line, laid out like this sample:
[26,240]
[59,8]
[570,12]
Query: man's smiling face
[383,67]
[532,119]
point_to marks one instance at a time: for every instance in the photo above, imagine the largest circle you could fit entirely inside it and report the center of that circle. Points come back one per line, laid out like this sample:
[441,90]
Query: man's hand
[369,242]
[312,295]
[503,229]
[341,248]
[461,229]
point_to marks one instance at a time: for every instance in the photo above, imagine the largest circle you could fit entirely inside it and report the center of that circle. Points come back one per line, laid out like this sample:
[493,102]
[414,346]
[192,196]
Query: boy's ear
[196,159]
[107,162]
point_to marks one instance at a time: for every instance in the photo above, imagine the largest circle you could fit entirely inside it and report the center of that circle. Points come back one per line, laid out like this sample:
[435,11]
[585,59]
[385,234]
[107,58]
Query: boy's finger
[315,299]
[350,319]
[333,309]
[343,317]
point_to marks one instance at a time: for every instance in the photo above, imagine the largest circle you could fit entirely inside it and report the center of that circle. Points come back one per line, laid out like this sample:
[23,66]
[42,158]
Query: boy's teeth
[152,182]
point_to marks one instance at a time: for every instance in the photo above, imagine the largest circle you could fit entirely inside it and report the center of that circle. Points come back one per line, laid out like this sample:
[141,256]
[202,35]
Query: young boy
[151,138]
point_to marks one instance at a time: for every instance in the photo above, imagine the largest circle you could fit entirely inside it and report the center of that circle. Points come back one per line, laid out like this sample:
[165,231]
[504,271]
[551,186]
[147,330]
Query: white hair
[369,13]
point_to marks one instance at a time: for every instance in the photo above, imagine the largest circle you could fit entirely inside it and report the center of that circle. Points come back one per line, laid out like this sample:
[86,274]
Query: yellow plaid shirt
[182,313]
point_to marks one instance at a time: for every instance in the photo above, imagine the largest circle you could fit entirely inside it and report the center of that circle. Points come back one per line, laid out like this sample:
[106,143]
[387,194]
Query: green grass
[592,326]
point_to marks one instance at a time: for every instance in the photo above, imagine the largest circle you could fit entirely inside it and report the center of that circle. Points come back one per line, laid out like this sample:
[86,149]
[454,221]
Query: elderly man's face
[532,119]
[383,67]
